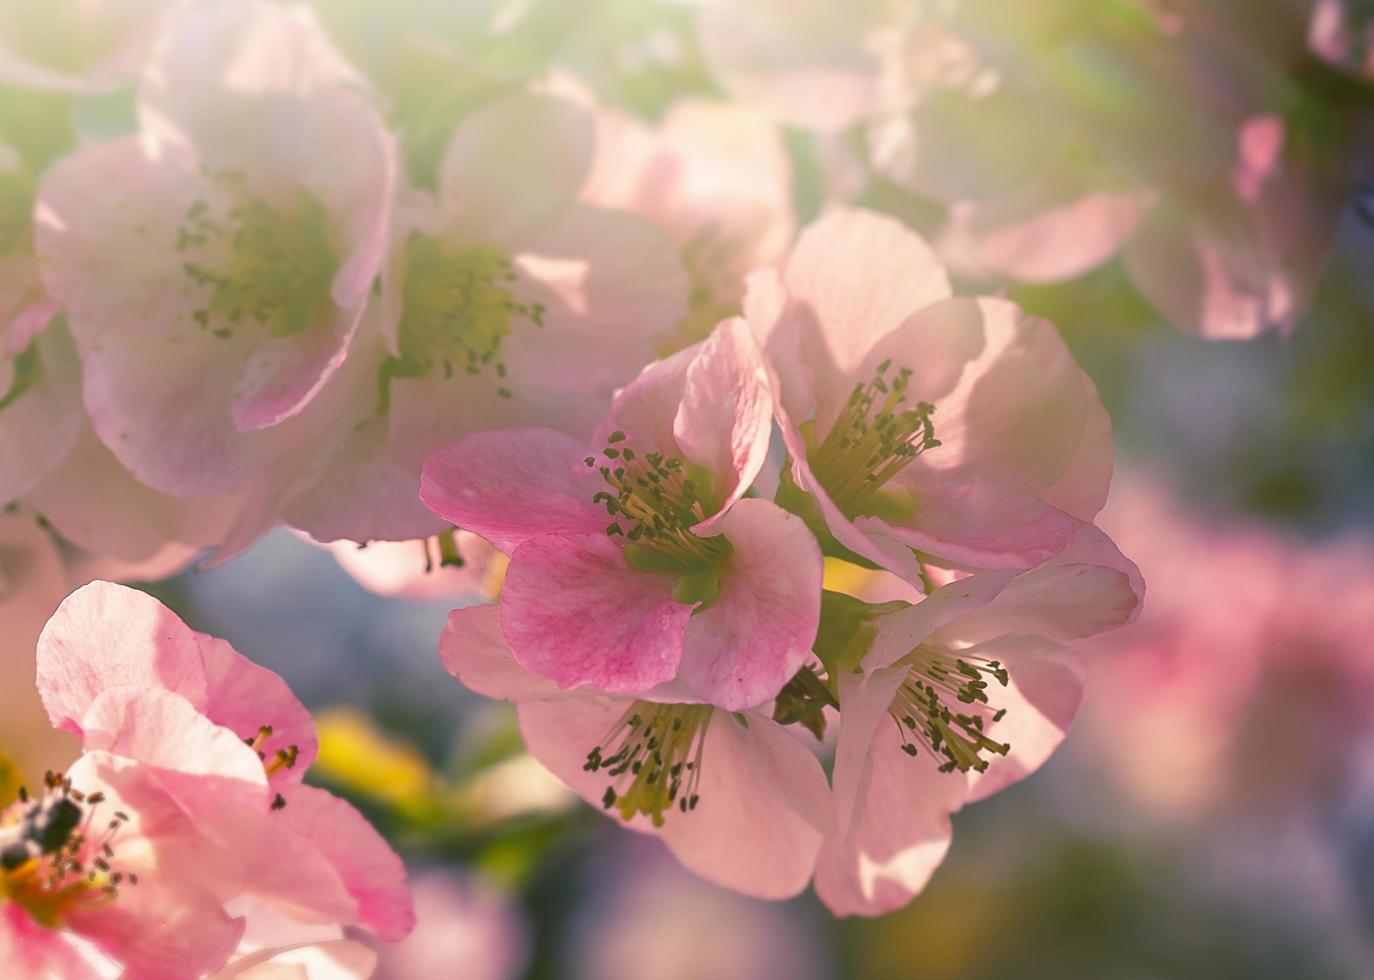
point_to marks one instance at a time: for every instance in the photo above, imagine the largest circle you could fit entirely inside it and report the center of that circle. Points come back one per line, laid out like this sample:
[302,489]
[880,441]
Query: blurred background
[1212,813]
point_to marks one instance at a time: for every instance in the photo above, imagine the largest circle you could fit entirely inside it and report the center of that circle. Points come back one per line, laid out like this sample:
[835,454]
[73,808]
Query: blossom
[505,300]
[947,700]
[734,796]
[464,925]
[214,267]
[186,814]
[82,46]
[918,421]
[688,582]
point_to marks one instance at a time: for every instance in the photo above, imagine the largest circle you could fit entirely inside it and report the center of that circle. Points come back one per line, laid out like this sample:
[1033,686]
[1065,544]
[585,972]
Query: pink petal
[758,633]
[726,418]
[573,610]
[1037,237]
[111,38]
[475,652]
[902,632]
[369,868]
[856,276]
[513,167]
[977,524]
[1022,413]
[105,636]
[763,799]
[898,828]
[514,484]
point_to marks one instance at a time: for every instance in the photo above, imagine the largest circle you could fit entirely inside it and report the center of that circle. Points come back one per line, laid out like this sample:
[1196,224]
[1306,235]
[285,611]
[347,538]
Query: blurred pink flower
[504,301]
[464,928]
[716,177]
[737,798]
[948,700]
[82,46]
[1178,159]
[1248,680]
[688,583]
[1342,33]
[916,420]
[645,917]
[208,751]
[218,286]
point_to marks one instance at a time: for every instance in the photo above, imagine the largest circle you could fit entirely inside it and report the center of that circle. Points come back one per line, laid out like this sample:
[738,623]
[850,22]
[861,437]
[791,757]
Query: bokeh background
[1212,813]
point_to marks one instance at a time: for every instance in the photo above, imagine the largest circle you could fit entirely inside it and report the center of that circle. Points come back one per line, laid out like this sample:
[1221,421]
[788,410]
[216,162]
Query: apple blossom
[229,240]
[921,422]
[688,582]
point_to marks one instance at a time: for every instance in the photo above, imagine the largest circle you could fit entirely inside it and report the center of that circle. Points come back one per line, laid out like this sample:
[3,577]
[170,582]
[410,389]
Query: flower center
[655,501]
[877,435]
[269,264]
[942,706]
[53,855]
[653,756]
[458,309]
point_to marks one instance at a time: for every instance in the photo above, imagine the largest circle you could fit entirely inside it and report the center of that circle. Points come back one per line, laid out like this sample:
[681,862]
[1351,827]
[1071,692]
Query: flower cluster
[648,393]
[665,628]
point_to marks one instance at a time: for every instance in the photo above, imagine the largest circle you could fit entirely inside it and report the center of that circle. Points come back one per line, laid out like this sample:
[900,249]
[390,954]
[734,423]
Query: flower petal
[573,610]
[474,651]
[745,646]
[514,484]
[763,802]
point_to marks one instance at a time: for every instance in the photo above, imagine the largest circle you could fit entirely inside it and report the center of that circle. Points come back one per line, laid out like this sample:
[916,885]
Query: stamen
[283,758]
[657,750]
[655,502]
[446,544]
[873,440]
[270,265]
[924,716]
[50,861]
[457,310]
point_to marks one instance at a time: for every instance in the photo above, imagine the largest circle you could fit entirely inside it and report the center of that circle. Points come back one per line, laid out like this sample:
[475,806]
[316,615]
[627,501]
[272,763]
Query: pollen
[879,433]
[458,309]
[943,708]
[260,263]
[653,754]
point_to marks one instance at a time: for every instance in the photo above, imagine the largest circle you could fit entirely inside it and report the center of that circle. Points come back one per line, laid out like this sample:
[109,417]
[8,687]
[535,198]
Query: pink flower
[465,927]
[191,775]
[1246,685]
[948,700]
[716,177]
[921,422]
[77,45]
[735,797]
[688,582]
[505,301]
[214,267]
